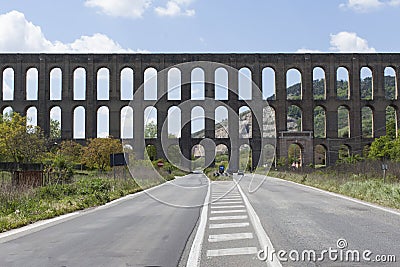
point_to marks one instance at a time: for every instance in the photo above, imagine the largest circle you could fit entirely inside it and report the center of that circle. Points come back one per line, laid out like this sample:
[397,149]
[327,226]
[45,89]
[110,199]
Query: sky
[204,26]
[158,26]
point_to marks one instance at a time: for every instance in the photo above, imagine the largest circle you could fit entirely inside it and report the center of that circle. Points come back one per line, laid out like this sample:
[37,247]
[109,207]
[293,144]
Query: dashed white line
[227,211]
[234,217]
[227,202]
[228,207]
[232,251]
[263,238]
[195,250]
[228,225]
[229,237]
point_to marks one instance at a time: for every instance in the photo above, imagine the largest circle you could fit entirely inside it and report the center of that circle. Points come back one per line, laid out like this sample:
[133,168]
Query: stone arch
[150,122]
[7,111]
[126,122]
[245,122]
[344,152]
[103,84]
[342,83]
[269,152]
[295,155]
[151,152]
[32,84]
[245,84]
[391,121]
[319,122]
[79,78]
[343,122]
[222,156]
[127,83]
[79,122]
[221,122]
[320,156]
[197,89]
[31,116]
[269,123]
[268,84]
[150,84]
[103,122]
[174,155]
[174,84]
[221,84]
[366,84]
[245,157]
[55,122]
[198,155]
[319,84]
[294,120]
[390,83]
[8,84]
[174,122]
[294,90]
[56,84]
[197,122]
[367,122]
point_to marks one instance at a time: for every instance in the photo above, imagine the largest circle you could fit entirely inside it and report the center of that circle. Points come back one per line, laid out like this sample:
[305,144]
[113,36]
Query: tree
[20,142]
[381,148]
[71,150]
[150,130]
[97,153]
[55,129]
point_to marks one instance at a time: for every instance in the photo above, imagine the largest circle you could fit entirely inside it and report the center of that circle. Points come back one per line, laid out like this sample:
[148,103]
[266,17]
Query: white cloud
[19,35]
[305,50]
[121,8]
[394,3]
[364,6]
[349,42]
[174,9]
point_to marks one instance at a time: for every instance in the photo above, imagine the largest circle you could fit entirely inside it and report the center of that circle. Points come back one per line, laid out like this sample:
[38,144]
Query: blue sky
[162,26]
[199,26]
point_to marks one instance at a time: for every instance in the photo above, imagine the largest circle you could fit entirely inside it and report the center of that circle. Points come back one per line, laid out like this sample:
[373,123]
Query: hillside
[294,113]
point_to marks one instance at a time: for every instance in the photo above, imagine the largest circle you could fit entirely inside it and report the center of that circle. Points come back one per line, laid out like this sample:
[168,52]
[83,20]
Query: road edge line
[263,238]
[195,250]
[358,201]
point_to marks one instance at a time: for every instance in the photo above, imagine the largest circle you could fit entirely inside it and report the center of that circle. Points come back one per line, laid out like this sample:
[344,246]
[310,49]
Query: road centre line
[228,225]
[229,237]
[195,250]
[226,202]
[232,251]
[227,211]
[228,207]
[234,217]
[262,236]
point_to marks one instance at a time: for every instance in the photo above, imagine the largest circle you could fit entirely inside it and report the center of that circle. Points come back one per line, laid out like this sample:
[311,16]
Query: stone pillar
[185,140]
[114,105]
[138,112]
[91,100]
[280,107]
[43,114]
[233,115]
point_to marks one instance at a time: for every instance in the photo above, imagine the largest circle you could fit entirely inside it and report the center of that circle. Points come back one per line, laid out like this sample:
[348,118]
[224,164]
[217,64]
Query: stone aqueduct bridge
[280,63]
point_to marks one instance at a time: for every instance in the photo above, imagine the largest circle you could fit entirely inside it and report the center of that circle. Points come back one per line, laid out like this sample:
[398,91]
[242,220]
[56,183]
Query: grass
[370,189]
[22,206]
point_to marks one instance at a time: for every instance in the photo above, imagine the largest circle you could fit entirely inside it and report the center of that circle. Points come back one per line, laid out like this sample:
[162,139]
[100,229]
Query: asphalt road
[156,229]
[142,231]
[299,218]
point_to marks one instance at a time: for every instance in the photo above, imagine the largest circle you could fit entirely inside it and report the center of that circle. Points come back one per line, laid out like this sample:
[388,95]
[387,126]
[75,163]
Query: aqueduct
[129,71]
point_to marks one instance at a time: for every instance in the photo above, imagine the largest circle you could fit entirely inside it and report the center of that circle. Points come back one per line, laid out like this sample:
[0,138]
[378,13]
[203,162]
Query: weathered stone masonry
[305,63]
